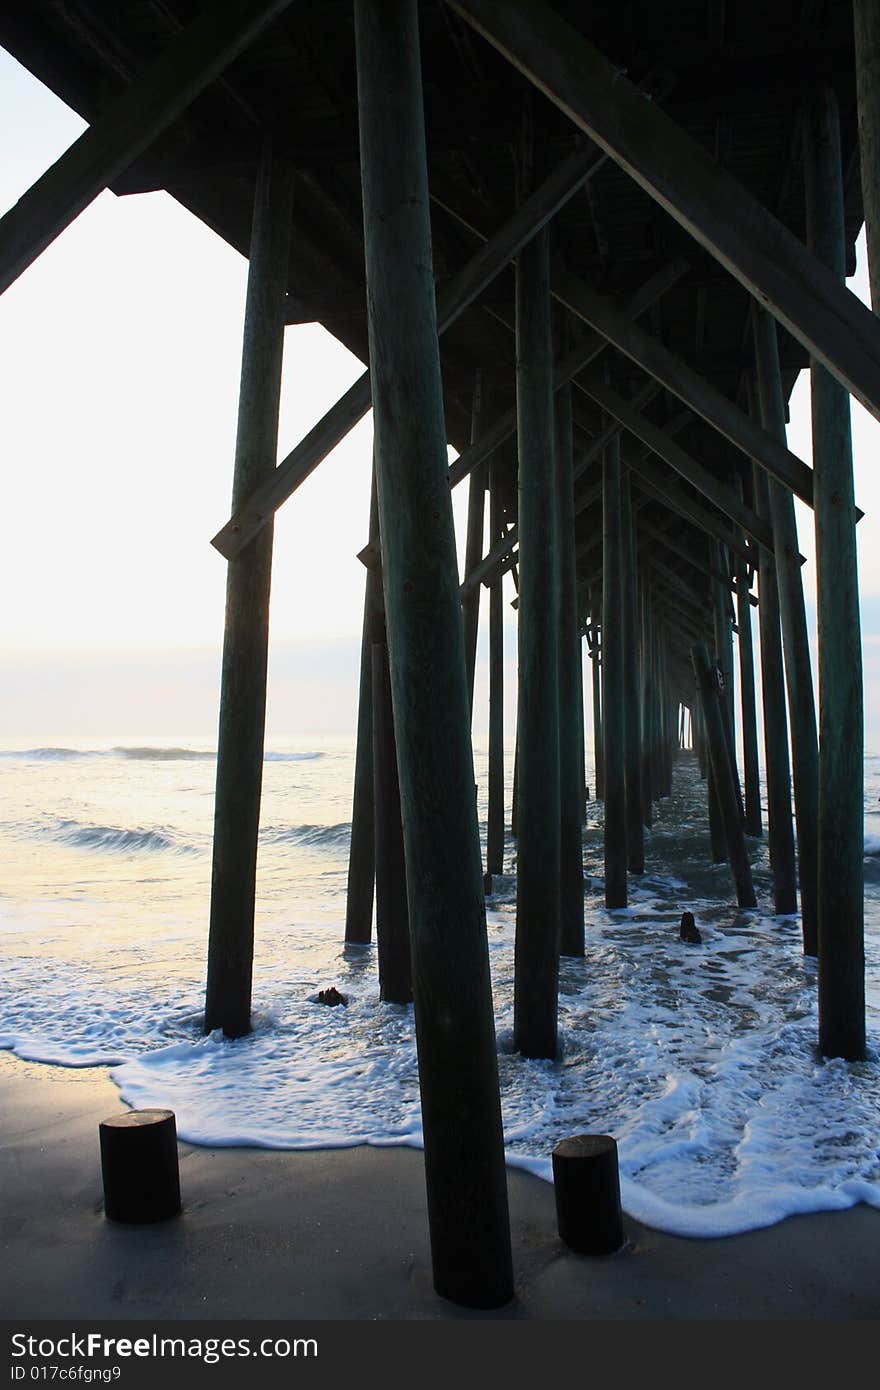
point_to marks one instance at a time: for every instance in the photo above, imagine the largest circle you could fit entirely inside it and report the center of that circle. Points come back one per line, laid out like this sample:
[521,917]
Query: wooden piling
[841,830]
[646,711]
[582,732]
[538,823]
[246,631]
[722,613]
[795,639]
[362,850]
[392,913]
[613,680]
[470,604]
[596,681]
[458,1070]
[780,835]
[571,780]
[748,715]
[667,707]
[632,718]
[495,825]
[719,758]
[717,837]
[700,741]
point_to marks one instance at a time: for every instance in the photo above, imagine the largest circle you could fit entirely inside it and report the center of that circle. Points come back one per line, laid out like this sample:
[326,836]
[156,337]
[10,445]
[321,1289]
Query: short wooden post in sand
[139,1166]
[587,1187]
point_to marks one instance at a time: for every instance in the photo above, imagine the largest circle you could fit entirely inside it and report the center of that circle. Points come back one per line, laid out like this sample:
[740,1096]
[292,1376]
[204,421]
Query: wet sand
[342,1234]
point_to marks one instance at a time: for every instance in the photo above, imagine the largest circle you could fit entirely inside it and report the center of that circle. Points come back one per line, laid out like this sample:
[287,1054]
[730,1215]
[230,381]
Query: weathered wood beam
[795,637]
[642,397]
[536,970]
[866,26]
[571,876]
[594,646]
[710,700]
[455,1032]
[674,579]
[675,547]
[677,172]
[495,562]
[780,835]
[613,680]
[748,715]
[392,915]
[698,394]
[688,467]
[362,849]
[657,484]
[241,729]
[686,624]
[454,297]
[132,120]
[495,814]
[632,715]
[577,359]
[470,602]
[841,828]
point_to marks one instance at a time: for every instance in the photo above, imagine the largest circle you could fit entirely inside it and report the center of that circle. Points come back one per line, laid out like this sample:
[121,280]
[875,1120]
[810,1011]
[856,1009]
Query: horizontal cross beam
[692,471]
[743,235]
[453,299]
[698,394]
[654,481]
[131,122]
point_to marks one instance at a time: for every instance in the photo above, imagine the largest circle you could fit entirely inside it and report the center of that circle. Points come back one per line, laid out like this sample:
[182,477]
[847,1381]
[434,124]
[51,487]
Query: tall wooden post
[495,825]
[719,757]
[392,915]
[582,734]
[668,708]
[717,837]
[841,725]
[795,640]
[724,654]
[612,683]
[866,25]
[700,740]
[632,719]
[748,714]
[647,714]
[246,633]
[571,784]
[780,835]
[596,680]
[470,604]
[362,850]
[538,824]
[455,1034]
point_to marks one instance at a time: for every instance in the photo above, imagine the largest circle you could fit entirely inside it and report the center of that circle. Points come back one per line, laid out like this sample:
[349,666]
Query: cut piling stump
[139,1166]
[587,1188]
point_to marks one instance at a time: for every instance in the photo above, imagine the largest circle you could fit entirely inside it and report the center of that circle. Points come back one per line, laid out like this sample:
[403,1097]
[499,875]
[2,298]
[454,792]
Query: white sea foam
[700,1060]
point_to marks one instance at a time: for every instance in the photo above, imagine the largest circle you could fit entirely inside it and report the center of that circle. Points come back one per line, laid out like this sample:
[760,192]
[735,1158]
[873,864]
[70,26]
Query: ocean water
[700,1060]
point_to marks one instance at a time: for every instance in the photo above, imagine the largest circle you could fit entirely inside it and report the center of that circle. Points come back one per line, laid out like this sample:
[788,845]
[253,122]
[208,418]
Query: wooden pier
[590,247]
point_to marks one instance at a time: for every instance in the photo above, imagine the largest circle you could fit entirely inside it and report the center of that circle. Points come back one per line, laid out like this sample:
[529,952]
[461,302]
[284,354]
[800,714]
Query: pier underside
[591,248]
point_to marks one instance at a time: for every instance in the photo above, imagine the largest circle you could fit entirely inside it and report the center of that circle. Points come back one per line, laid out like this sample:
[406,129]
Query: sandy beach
[342,1234]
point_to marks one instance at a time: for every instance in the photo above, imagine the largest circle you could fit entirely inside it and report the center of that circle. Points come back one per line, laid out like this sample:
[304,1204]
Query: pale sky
[120,354]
